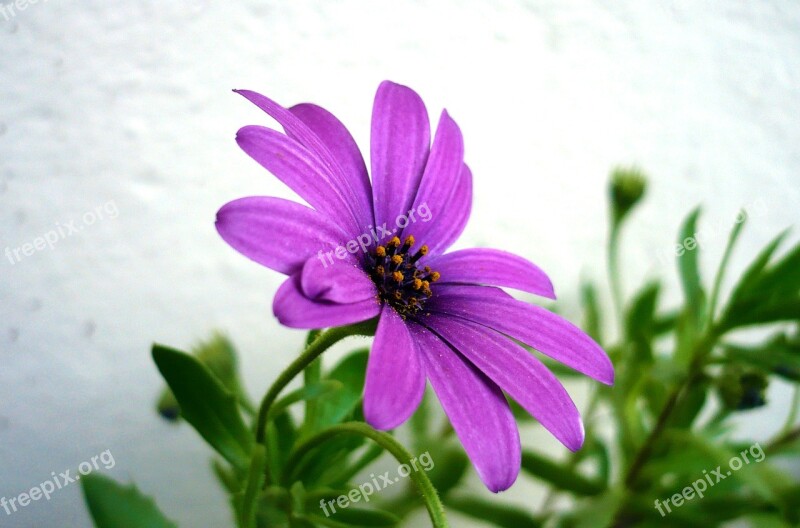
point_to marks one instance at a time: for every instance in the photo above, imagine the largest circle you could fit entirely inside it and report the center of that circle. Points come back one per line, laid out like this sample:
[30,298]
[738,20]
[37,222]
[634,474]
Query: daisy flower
[366,248]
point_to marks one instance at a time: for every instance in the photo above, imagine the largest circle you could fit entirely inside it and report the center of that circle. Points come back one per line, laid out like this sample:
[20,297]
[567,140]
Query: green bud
[626,189]
[741,389]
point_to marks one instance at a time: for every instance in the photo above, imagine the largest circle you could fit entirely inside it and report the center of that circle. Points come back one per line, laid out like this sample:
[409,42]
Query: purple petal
[395,381]
[545,331]
[308,136]
[295,310]
[494,268]
[300,170]
[340,282]
[477,409]
[518,373]
[344,150]
[399,145]
[439,180]
[274,232]
[449,222]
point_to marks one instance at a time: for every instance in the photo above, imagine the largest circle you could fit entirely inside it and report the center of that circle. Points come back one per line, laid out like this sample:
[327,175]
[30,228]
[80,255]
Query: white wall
[130,103]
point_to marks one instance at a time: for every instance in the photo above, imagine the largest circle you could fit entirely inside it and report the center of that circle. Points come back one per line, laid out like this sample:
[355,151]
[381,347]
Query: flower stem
[386,441]
[312,352]
[613,274]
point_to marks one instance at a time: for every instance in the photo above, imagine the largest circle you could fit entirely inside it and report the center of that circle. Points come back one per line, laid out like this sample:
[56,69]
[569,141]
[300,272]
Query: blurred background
[117,126]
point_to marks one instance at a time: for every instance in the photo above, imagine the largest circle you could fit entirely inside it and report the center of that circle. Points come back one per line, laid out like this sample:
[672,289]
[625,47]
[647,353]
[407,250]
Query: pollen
[401,283]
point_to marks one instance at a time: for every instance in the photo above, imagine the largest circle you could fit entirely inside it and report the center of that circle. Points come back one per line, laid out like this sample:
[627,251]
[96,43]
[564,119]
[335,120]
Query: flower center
[400,282]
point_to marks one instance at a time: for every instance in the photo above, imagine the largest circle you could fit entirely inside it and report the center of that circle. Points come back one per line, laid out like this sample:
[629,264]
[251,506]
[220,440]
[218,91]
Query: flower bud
[741,390]
[626,189]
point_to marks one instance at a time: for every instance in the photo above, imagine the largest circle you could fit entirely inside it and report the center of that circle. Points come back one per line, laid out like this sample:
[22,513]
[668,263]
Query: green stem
[314,350]
[386,441]
[248,510]
[613,275]
[311,375]
[701,350]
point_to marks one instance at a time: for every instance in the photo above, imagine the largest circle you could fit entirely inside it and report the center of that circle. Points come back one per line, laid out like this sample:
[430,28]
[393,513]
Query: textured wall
[116,119]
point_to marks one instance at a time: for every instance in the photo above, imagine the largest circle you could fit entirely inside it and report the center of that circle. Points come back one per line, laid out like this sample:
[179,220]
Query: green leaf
[208,406]
[766,293]
[350,516]
[592,321]
[492,512]
[219,356]
[779,355]
[689,269]
[308,392]
[559,475]
[599,511]
[113,505]
[226,477]
[338,405]
[451,466]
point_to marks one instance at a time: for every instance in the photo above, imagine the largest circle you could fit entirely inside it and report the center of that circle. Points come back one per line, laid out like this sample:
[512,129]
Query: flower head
[367,248]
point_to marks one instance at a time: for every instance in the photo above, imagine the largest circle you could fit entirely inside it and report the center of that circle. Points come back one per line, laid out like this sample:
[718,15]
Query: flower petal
[477,409]
[295,310]
[344,150]
[545,331]
[274,232]
[395,381]
[344,282]
[492,267]
[518,373]
[399,145]
[300,170]
[439,180]
[307,136]
[449,222]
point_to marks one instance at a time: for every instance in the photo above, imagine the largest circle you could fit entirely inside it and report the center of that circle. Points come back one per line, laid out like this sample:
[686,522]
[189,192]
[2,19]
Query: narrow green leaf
[746,288]
[689,269]
[494,513]
[339,405]
[451,466]
[113,505]
[248,509]
[307,392]
[559,475]
[592,320]
[350,516]
[208,406]
[226,477]
[218,355]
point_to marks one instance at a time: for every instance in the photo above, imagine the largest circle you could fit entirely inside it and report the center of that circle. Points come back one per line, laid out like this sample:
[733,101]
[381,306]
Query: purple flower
[365,249]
